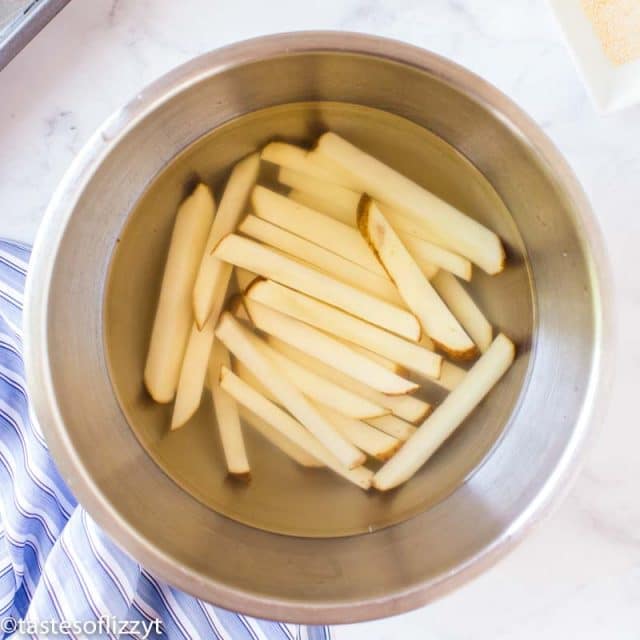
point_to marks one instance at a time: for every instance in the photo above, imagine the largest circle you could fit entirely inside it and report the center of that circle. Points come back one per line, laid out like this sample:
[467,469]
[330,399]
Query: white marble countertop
[578,574]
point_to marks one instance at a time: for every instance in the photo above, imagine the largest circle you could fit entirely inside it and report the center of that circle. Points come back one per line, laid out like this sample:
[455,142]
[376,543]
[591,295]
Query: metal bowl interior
[90,303]
[283,497]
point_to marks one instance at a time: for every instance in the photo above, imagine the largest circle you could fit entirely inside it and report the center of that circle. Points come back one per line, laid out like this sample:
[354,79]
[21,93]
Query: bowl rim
[122,121]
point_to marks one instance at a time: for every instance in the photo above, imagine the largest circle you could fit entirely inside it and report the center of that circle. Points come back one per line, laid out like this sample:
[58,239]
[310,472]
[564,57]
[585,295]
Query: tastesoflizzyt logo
[105,624]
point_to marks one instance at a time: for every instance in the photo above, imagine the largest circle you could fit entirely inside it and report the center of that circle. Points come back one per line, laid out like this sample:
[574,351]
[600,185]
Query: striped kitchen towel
[60,575]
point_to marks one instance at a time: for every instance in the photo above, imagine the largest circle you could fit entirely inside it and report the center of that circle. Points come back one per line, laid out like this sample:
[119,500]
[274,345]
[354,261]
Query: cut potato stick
[338,202]
[269,263]
[291,428]
[213,277]
[192,374]
[227,416]
[342,204]
[394,426]
[464,308]
[244,278]
[406,407]
[242,343]
[326,348]
[391,425]
[327,261]
[315,227]
[345,326]
[280,441]
[322,390]
[194,365]
[428,246]
[430,257]
[407,226]
[174,314]
[446,418]
[376,357]
[434,315]
[292,157]
[465,235]
[362,435]
[334,209]
[377,444]
[243,372]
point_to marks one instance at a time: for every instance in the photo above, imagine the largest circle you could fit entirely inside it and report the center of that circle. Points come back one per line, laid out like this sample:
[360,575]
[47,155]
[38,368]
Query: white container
[611,86]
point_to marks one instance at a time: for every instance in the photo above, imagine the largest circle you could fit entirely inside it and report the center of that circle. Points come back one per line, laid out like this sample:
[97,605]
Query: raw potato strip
[324,205]
[376,357]
[227,416]
[435,317]
[321,390]
[338,202]
[449,258]
[315,227]
[430,257]
[290,428]
[464,308]
[406,407]
[213,276]
[244,373]
[210,291]
[463,234]
[394,426]
[271,264]
[330,263]
[446,418]
[326,348]
[391,425]
[345,326]
[377,444]
[292,157]
[366,437]
[193,373]
[242,343]
[174,314]
[276,438]
[342,204]
[407,226]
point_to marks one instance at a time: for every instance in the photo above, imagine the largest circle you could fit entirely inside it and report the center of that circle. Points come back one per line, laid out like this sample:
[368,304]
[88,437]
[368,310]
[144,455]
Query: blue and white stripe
[55,562]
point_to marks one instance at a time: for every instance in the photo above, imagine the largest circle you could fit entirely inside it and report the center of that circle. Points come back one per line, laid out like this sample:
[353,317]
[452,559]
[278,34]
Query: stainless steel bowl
[95,274]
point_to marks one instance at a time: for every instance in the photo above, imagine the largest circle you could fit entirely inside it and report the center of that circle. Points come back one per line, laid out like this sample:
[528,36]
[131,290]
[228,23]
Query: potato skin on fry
[419,295]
